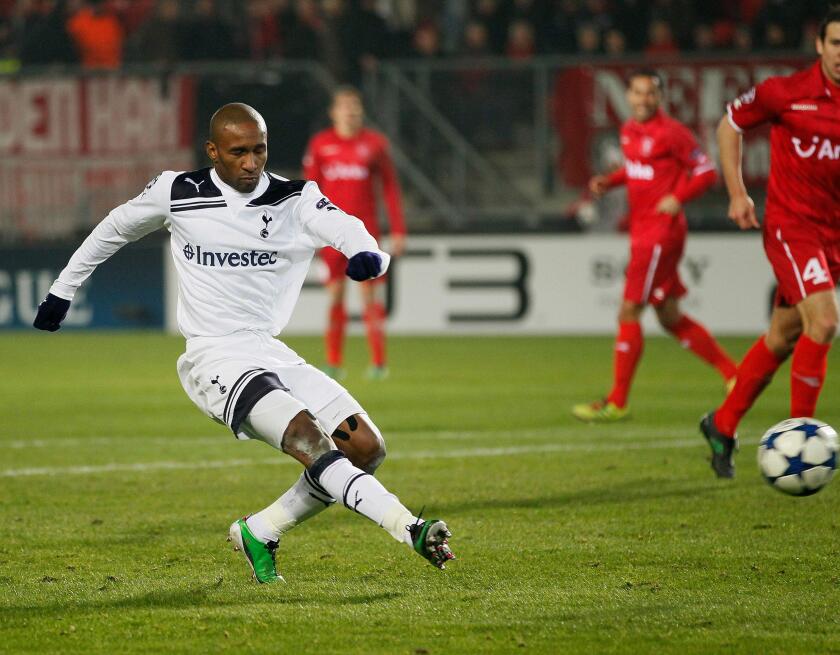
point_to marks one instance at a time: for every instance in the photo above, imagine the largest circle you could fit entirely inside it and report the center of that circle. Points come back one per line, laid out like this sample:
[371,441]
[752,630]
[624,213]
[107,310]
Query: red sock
[807,373]
[697,339]
[335,334]
[375,327]
[628,350]
[754,373]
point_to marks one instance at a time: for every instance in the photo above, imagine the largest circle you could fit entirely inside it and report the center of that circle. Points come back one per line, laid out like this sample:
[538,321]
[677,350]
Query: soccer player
[664,169]
[242,241]
[346,161]
[801,233]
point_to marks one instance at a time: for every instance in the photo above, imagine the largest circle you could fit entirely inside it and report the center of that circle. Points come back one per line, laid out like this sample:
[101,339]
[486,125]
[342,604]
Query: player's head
[238,145]
[346,110]
[644,94]
[828,44]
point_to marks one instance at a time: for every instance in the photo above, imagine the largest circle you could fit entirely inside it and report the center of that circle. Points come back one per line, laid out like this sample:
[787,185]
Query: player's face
[829,49]
[239,155]
[347,113]
[644,96]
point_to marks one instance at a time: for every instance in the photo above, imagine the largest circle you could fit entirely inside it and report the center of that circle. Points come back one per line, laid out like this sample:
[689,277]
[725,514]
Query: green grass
[577,539]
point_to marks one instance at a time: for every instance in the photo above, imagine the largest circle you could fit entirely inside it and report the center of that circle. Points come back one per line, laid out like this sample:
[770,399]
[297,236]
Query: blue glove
[51,312]
[364,266]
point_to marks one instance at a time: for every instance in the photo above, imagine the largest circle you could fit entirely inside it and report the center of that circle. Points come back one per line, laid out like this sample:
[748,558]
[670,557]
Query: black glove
[364,266]
[51,312]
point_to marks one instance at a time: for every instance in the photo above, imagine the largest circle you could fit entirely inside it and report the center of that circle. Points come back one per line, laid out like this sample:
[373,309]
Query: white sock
[364,494]
[305,499]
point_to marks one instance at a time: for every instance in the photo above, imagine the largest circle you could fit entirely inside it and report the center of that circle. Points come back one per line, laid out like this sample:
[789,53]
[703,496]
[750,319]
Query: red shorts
[652,275]
[802,260]
[337,265]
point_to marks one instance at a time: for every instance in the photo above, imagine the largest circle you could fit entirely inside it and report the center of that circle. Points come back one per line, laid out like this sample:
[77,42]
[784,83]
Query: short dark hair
[833,16]
[346,89]
[646,72]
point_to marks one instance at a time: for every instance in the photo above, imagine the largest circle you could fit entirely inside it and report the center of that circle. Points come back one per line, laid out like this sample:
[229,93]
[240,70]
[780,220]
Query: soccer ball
[798,456]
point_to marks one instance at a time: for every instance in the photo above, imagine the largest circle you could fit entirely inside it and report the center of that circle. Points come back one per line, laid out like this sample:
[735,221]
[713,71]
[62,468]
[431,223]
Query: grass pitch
[116,495]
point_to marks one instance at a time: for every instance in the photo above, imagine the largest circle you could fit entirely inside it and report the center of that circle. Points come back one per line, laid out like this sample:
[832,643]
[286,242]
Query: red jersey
[661,157]
[804,115]
[346,170]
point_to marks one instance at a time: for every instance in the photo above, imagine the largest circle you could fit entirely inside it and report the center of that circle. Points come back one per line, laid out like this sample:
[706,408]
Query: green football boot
[430,541]
[260,555]
[377,373]
[600,411]
[723,447]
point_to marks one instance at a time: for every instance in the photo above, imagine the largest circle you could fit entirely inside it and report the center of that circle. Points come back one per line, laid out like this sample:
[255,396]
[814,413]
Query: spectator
[426,42]
[263,30]
[615,43]
[210,35]
[660,39]
[97,35]
[491,14]
[521,42]
[44,38]
[742,40]
[588,39]
[476,40]
[302,31]
[703,37]
[160,40]
[774,36]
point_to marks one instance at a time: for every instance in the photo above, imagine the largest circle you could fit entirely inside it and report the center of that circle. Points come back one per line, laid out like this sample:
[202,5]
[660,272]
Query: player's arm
[730,144]
[393,200]
[759,105]
[124,224]
[327,225]
[600,184]
[700,173]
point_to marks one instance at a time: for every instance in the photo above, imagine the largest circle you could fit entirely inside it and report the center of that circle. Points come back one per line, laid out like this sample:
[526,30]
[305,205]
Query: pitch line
[458,453]
[574,430]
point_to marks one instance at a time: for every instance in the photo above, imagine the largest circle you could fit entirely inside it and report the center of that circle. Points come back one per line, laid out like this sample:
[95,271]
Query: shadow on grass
[615,494]
[203,597]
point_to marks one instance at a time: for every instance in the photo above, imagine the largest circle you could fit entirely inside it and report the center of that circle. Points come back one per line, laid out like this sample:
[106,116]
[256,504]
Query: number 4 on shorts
[814,272]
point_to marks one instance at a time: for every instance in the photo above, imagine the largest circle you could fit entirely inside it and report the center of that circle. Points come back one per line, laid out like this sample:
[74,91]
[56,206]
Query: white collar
[226,189]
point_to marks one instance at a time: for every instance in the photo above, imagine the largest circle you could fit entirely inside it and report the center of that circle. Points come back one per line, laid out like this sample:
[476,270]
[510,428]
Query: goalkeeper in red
[348,161]
[664,169]
[801,231]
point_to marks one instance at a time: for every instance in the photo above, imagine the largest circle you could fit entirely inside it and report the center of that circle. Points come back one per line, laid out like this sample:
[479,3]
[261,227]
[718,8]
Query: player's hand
[599,185]
[397,245]
[742,212]
[364,266]
[51,312]
[669,205]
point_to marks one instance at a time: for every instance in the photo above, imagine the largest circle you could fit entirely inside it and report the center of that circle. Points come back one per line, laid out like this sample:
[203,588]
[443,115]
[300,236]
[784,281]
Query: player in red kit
[664,169]
[347,160]
[801,232]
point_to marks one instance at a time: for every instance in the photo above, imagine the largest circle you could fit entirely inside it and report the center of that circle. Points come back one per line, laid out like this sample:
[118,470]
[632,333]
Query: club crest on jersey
[824,150]
[647,146]
[265,219]
[325,203]
[222,388]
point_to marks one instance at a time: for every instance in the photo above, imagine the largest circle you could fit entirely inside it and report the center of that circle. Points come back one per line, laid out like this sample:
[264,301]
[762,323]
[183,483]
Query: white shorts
[226,376]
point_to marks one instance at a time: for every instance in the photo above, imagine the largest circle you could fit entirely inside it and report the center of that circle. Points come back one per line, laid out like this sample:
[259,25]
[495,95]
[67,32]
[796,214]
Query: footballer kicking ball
[798,456]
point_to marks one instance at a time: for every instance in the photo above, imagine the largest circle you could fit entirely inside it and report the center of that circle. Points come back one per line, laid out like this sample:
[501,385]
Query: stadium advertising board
[77,147]
[541,285]
[696,93]
[116,296]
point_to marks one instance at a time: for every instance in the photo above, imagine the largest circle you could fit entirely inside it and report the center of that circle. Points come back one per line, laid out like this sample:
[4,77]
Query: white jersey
[241,259]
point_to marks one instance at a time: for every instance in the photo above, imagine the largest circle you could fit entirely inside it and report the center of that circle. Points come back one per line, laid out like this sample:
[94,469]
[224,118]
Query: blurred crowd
[348,35]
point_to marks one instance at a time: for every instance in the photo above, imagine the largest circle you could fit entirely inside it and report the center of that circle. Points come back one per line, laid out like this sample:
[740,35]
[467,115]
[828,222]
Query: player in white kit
[242,241]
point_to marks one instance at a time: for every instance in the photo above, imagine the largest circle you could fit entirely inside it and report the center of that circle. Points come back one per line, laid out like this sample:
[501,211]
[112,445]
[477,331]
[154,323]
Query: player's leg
[330,470]
[694,336]
[819,315]
[374,318]
[627,352]
[337,313]
[754,373]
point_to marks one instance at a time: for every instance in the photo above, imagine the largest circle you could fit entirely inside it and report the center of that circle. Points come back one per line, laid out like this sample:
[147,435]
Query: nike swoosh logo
[810,381]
